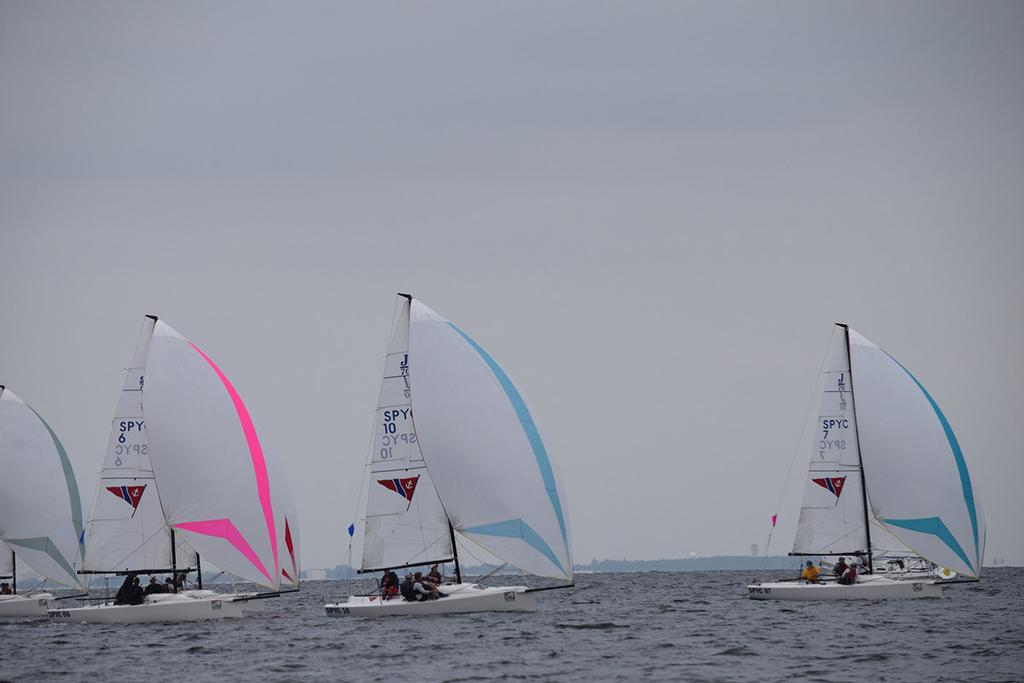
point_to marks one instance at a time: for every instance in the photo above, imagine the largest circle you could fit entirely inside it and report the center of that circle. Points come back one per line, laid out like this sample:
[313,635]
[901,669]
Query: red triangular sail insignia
[833,485]
[129,494]
[404,487]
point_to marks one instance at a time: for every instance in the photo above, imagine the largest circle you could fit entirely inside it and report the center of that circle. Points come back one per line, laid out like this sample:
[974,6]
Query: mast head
[152,317]
[407,296]
[843,325]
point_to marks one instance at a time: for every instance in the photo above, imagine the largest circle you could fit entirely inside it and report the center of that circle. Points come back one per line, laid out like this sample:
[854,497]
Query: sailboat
[456,455]
[40,509]
[184,476]
[886,474]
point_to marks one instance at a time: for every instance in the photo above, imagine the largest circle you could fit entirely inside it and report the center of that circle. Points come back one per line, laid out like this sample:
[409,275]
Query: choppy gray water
[693,626]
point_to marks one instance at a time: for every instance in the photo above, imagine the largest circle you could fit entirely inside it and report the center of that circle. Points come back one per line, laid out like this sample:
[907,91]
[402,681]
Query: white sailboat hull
[164,608]
[248,606]
[459,599]
[868,588]
[25,605]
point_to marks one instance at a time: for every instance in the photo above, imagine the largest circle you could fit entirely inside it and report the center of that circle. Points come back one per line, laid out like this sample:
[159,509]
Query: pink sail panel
[258,462]
[225,528]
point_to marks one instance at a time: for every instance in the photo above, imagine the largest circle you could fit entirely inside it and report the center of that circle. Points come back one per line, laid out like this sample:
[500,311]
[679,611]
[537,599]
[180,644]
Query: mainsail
[832,519]
[214,479]
[40,507]
[917,480]
[483,450]
[404,522]
[126,530]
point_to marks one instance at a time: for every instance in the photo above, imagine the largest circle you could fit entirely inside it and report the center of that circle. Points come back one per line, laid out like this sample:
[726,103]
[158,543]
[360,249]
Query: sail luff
[860,455]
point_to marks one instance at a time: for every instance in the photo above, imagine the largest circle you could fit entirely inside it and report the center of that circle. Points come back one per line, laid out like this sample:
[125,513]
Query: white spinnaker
[6,559]
[126,529]
[404,522]
[40,508]
[832,512]
[917,479]
[213,476]
[484,452]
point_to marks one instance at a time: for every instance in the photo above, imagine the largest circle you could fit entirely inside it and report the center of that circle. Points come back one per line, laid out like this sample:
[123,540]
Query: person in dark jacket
[840,568]
[154,587]
[849,577]
[408,589]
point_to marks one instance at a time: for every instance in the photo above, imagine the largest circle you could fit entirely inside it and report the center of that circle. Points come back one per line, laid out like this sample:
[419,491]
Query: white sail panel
[917,479]
[404,522]
[832,513]
[40,507]
[205,452]
[6,560]
[483,449]
[126,529]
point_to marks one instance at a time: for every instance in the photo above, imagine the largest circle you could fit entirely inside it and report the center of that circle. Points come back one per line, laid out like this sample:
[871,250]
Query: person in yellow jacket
[811,573]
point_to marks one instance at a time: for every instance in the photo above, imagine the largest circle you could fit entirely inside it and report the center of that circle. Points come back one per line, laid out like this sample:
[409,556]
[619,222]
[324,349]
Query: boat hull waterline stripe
[961,464]
[69,478]
[258,462]
[225,528]
[935,527]
[517,528]
[526,420]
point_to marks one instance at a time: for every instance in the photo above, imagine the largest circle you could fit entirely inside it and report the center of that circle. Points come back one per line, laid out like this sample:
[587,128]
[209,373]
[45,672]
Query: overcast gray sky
[650,213]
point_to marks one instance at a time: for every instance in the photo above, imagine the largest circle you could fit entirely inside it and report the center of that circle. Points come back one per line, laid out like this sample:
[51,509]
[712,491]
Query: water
[693,626]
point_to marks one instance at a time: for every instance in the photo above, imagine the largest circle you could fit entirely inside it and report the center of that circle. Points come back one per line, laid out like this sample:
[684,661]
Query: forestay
[917,479]
[483,449]
[40,507]
[213,475]
[126,530]
[832,513]
[404,523]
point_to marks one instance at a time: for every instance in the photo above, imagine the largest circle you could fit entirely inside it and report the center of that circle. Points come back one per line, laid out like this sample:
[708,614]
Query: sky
[650,213]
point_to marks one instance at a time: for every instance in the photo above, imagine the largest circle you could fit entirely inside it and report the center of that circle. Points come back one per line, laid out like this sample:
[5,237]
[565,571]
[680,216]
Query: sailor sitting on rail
[811,573]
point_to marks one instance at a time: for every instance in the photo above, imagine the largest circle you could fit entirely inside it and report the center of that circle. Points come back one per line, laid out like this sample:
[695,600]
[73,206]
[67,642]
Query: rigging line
[803,431]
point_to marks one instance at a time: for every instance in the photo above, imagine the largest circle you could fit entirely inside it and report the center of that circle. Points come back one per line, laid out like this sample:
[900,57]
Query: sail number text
[128,428]
[391,436]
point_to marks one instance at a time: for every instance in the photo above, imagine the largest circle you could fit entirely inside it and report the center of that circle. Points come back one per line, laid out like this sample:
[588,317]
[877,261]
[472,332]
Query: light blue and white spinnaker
[483,449]
[40,507]
[915,474]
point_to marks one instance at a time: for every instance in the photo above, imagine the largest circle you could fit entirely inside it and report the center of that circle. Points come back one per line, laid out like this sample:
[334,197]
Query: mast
[174,558]
[14,572]
[199,572]
[860,459]
[455,553]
